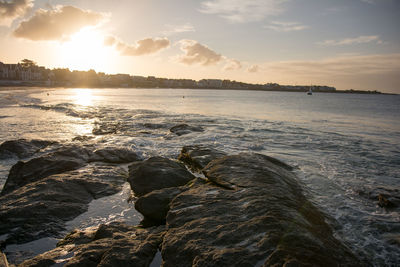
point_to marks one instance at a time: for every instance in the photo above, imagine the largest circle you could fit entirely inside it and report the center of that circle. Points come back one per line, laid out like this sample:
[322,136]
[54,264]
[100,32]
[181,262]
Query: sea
[345,147]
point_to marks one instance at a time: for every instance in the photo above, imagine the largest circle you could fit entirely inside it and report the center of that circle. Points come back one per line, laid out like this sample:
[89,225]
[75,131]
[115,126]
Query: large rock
[64,159]
[155,205]
[157,173]
[198,156]
[115,244]
[115,155]
[41,208]
[254,214]
[182,129]
[22,148]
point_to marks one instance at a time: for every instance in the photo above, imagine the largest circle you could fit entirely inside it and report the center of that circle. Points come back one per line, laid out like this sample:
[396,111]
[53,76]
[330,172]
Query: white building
[18,72]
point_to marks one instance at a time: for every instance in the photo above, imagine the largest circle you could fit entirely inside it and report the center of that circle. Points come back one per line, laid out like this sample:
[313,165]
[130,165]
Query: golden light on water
[83,97]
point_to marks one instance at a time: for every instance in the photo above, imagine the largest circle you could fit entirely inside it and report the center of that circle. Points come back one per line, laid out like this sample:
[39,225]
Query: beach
[344,149]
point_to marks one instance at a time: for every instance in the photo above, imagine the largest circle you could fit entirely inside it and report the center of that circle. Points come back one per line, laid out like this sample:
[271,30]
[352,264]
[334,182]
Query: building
[210,83]
[19,72]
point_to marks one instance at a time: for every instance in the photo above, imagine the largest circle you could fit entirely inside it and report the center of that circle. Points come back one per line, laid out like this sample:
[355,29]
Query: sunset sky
[342,43]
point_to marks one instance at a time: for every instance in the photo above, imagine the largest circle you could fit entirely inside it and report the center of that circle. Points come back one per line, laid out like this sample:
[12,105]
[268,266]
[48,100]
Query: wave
[333,166]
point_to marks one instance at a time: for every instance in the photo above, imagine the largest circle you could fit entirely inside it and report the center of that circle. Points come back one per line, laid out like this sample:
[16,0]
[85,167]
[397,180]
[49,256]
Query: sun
[86,50]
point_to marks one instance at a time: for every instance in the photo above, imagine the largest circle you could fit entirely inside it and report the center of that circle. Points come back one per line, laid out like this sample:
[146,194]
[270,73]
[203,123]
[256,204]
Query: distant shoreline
[21,85]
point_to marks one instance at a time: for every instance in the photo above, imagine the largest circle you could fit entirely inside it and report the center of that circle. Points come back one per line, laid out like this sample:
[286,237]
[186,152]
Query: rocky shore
[205,208]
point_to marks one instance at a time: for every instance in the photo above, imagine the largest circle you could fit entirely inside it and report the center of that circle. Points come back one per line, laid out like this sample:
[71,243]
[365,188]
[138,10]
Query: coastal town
[28,73]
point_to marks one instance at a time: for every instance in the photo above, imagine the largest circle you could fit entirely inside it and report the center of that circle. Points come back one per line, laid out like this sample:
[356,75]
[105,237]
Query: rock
[82,138]
[386,197]
[197,157]
[3,260]
[22,148]
[114,155]
[40,209]
[393,239]
[155,205]
[157,173]
[64,159]
[386,202]
[182,129]
[104,128]
[153,126]
[263,220]
[115,244]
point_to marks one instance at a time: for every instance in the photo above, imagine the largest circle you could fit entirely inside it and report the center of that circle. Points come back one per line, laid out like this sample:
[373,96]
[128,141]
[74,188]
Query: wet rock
[116,244]
[385,197]
[64,159]
[198,156]
[182,129]
[104,128]
[155,205]
[114,155]
[153,126]
[157,173]
[3,260]
[22,148]
[393,239]
[264,220]
[40,209]
[386,202]
[82,138]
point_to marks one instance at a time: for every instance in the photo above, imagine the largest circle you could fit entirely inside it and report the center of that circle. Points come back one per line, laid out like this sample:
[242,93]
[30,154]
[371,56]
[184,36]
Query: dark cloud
[10,10]
[57,24]
[142,47]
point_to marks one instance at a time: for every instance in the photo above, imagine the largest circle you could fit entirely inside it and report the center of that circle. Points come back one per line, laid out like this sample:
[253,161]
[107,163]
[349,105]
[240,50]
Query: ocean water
[345,147]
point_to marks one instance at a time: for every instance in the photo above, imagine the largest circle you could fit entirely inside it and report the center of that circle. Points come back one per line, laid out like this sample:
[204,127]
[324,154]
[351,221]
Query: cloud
[280,26]
[351,41]
[175,29]
[239,11]
[253,69]
[57,24]
[10,10]
[196,53]
[233,64]
[142,47]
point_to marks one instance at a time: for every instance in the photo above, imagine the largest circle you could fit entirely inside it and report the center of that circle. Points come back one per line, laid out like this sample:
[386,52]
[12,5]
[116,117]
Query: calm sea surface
[346,147]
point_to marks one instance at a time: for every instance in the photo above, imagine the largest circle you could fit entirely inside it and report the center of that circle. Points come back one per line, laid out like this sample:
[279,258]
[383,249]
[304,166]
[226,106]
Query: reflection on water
[83,97]
[82,128]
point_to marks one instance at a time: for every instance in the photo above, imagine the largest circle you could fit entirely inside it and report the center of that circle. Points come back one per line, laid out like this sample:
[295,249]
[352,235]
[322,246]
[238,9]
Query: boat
[309,91]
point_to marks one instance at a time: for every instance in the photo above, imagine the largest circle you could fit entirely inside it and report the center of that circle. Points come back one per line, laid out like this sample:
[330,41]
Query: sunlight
[83,97]
[86,50]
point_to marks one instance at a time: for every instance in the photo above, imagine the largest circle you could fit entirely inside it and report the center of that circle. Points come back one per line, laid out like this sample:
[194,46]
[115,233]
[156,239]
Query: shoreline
[43,87]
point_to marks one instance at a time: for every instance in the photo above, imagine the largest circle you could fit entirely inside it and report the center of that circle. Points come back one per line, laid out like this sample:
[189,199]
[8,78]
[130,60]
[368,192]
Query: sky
[348,44]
